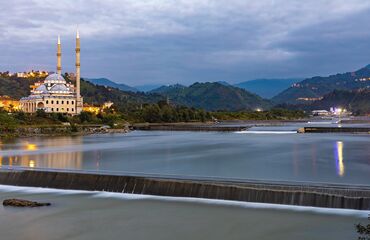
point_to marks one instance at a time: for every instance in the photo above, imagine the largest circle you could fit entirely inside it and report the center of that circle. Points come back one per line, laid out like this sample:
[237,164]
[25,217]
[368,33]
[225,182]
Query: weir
[189,127]
[315,195]
[334,130]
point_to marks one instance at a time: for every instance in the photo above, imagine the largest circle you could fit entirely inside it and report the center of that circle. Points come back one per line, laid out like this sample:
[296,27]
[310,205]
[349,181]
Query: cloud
[186,40]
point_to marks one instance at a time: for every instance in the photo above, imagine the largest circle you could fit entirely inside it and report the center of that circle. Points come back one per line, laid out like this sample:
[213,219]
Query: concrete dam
[302,194]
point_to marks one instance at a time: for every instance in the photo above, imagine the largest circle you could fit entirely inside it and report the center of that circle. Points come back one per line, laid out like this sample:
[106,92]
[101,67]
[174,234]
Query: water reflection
[60,160]
[31,146]
[339,158]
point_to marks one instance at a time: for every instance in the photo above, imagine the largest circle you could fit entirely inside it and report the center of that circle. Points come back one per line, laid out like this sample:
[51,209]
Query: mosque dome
[60,88]
[55,78]
[41,89]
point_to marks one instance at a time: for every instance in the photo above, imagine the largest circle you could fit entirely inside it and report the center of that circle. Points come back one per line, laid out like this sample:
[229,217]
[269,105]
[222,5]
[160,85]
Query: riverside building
[54,94]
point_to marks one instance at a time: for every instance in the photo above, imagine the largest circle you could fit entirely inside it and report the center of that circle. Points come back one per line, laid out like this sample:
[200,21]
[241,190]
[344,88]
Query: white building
[55,94]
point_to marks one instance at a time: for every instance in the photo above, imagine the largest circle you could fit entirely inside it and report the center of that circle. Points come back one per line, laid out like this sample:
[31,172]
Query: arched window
[57,103]
[72,102]
[67,102]
[52,102]
[47,101]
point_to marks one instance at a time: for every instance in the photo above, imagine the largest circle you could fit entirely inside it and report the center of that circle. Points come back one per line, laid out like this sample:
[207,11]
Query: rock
[23,203]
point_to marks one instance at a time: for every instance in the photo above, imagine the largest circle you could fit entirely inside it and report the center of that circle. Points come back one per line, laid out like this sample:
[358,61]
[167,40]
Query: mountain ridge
[317,87]
[109,83]
[213,96]
[267,87]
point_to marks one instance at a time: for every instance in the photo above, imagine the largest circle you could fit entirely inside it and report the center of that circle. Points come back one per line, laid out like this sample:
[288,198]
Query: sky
[139,42]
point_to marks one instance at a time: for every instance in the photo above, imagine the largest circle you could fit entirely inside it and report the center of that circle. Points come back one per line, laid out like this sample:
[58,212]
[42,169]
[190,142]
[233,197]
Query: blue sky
[146,42]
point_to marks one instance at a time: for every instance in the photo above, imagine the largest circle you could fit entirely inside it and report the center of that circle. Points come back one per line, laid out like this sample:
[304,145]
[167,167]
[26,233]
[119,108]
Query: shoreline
[56,130]
[222,126]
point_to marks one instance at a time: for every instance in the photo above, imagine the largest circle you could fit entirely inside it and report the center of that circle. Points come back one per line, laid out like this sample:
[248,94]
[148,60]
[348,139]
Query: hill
[147,87]
[267,88]
[213,96]
[16,88]
[317,87]
[356,101]
[108,83]
[95,94]
[168,89]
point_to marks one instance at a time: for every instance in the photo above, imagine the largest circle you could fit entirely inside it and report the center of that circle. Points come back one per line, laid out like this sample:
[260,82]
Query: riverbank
[58,130]
[187,127]
[302,194]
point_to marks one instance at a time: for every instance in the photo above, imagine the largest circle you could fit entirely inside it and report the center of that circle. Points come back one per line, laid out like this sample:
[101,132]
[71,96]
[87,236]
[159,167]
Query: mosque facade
[54,94]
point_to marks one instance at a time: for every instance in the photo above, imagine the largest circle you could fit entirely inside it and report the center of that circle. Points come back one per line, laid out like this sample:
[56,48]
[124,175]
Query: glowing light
[258,110]
[339,158]
[31,164]
[31,147]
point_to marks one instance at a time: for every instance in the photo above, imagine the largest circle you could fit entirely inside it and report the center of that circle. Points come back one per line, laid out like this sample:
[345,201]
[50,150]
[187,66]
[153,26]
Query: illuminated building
[309,99]
[97,109]
[54,94]
[9,104]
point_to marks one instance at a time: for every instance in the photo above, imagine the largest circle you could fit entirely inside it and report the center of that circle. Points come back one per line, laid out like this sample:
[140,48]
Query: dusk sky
[184,41]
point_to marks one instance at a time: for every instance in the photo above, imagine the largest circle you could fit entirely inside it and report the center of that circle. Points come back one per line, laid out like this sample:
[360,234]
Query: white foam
[267,132]
[251,205]
[323,122]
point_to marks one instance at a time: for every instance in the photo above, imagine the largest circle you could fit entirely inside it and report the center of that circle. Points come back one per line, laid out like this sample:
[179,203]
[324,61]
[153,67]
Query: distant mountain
[147,87]
[109,83]
[97,94]
[356,101]
[168,89]
[267,88]
[224,83]
[213,96]
[317,87]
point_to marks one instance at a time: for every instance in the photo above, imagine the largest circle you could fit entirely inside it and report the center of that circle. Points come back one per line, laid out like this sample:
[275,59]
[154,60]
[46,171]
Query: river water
[262,153]
[98,215]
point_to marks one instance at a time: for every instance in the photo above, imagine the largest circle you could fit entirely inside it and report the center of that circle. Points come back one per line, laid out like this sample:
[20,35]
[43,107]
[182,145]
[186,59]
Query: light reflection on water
[339,158]
[290,157]
[59,160]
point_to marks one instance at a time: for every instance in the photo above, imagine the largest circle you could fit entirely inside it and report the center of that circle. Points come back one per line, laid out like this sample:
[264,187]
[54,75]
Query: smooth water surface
[98,215]
[263,153]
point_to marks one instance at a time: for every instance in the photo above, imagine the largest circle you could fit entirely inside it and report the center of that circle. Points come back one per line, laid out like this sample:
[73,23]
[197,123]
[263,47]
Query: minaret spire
[59,57]
[79,103]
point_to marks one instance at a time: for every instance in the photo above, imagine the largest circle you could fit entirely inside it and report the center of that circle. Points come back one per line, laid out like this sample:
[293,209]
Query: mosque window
[52,102]
[57,103]
[57,108]
[47,101]
[52,109]
[72,102]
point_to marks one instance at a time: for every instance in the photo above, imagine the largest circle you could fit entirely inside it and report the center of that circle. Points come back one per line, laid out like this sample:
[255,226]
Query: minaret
[78,64]
[59,57]
[79,103]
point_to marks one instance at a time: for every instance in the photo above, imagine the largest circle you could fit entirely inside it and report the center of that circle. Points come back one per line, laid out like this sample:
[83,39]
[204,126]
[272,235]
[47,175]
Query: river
[261,153]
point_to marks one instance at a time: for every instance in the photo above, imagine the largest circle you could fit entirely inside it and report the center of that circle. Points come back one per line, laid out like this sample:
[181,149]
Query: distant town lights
[258,110]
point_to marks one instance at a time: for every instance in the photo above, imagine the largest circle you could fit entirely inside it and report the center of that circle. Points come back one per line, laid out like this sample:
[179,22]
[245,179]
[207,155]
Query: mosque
[54,94]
